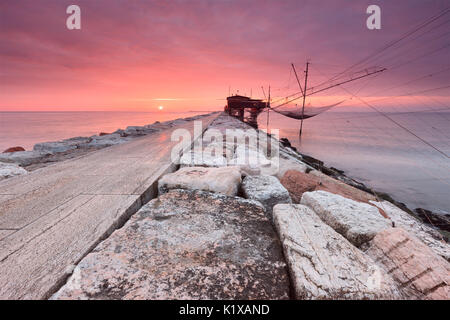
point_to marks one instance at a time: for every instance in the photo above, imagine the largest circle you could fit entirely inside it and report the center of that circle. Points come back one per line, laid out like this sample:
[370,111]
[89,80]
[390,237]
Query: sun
[161,107]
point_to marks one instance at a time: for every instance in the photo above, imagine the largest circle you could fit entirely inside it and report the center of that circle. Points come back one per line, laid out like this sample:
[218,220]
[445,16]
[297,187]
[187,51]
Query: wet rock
[202,159]
[8,170]
[297,183]
[358,222]
[225,180]
[186,245]
[420,272]
[267,190]
[23,158]
[14,149]
[438,220]
[431,237]
[323,264]
[287,144]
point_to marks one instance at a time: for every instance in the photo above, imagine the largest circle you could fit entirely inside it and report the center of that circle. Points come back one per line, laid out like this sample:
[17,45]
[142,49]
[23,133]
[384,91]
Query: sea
[384,153]
[369,147]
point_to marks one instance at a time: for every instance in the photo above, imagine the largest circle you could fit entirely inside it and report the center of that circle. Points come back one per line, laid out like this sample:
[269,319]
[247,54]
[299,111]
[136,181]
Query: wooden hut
[245,109]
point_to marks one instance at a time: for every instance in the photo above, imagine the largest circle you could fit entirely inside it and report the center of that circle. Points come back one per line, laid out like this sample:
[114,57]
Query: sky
[187,55]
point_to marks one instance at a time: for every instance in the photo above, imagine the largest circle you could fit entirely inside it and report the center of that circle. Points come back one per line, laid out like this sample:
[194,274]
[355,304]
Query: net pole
[304,99]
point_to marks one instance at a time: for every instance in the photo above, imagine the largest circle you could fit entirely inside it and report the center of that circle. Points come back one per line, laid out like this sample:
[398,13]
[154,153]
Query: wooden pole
[304,99]
[296,76]
[268,109]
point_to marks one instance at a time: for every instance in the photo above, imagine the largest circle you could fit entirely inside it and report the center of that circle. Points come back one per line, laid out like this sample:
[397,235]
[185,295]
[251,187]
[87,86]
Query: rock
[358,222]
[225,180]
[267,190]
[107,140]
[8,170]
[121,132]
[297,183]
[431,237]
[290,164]
[215,148]
[13,149]
[62,146]
[420,272]
[101,134]
[323,264]
[53,147]
[253,162]
[186,245]
[23,158]
[438,220]
[135,131]
[286,143]
[202,159]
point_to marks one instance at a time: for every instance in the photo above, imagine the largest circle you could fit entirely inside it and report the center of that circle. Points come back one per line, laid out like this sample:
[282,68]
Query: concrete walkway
[54,216]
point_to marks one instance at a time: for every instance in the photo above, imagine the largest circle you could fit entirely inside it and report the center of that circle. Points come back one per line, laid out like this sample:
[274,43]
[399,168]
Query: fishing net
[296,112]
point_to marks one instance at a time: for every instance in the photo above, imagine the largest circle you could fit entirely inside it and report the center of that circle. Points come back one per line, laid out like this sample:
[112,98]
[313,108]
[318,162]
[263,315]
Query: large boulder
[420,272]
[358,222]
[253,162]
[297,182]
[23,158]
[186,245]
[323,264]
[225,180]
[8,170]
[267,190]
[202,159]
[431,237]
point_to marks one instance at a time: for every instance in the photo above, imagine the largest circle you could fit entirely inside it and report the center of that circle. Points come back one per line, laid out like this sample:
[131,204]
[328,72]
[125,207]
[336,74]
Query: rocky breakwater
[17,161]
[237,222]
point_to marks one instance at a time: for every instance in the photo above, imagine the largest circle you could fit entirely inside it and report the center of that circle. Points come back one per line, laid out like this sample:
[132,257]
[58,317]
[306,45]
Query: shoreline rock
[9,170]
[14,149]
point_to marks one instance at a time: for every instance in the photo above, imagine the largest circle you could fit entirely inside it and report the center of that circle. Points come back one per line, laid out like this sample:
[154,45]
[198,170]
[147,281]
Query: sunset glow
[130,56]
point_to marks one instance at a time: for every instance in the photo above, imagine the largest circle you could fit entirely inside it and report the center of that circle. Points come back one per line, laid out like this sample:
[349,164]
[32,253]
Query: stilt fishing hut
[239,106]
[245,108]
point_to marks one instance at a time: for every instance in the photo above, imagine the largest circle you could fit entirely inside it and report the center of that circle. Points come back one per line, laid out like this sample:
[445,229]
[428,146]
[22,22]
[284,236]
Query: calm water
[375,151]
[28,128]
